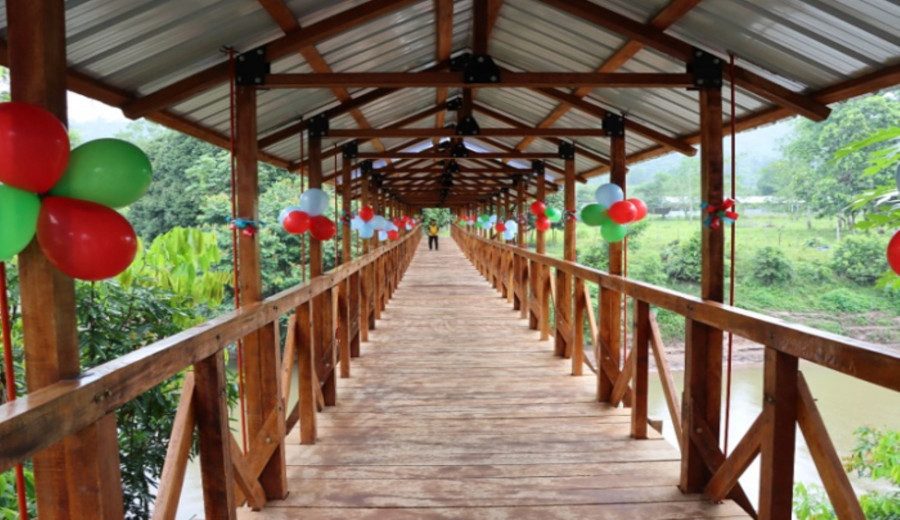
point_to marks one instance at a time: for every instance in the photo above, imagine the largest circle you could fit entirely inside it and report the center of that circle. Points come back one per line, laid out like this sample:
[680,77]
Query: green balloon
[612,232]
[111,172]
[553,214]
[594,215]
[18,220]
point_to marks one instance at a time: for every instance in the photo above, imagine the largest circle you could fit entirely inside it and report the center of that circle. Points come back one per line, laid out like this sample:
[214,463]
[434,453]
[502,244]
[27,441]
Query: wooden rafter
[456,80]
[650,36]
[275,49]
[285,19]
[451,132]
[443,18]
[876,80]
[669,15]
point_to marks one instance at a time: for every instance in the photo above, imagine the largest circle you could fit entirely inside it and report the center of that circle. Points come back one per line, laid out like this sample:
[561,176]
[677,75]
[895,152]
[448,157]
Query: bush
[845,300]
[596,256]
[649,270]
[860,258]
[813,272]
[771,267]
[681,261]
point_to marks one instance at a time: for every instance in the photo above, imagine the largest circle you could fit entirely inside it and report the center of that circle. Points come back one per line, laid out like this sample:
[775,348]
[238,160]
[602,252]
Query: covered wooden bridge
[459,404]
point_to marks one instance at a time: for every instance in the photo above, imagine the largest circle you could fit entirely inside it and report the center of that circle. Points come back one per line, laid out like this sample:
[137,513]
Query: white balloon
[366,230]
[509,235]
[608,194]
[511,225]
[409,227]
[285,211]
[378,222]
[356,223]
[493,219]
[382,236]
[314,202]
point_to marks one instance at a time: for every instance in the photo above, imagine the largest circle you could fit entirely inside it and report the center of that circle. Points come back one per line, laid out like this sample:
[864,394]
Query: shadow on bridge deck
[457,410]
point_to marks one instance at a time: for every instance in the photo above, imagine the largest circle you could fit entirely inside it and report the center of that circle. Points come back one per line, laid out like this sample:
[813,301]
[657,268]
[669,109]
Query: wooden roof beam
[455,80]
[354,133]
[284,17]
[445,155]
[650,36]
[665,18]
[555,140]
[443,19]
[275,49]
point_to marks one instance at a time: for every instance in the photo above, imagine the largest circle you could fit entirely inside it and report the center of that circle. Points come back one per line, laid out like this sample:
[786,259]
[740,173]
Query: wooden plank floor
[457,410]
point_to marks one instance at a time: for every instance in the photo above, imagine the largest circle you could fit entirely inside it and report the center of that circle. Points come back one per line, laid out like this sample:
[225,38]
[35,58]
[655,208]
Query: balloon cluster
[467,220]
[486,222]
[367,223]
[509,229]
[544,216]
[67,197]
[309,215]
[612,211]
[718,213]
[893,252]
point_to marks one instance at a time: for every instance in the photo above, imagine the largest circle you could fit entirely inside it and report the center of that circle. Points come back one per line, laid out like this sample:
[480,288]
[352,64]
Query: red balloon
[622,212]
[893,252]
[296,222]
[322,228]
[393,235]
[640,207]
[538,208]
[85,240]
[34,147]
[501,227]
[542,223]
[366,213]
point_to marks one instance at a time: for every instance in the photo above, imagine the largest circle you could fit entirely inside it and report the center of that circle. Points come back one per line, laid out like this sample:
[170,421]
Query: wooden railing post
[261,356]
[703,344]
[777,448]
[641,369]
[564,325]
[78,477]
[215,438]
[610,341]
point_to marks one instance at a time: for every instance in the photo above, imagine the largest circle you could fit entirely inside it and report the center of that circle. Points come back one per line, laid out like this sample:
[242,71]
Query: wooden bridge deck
[457,410]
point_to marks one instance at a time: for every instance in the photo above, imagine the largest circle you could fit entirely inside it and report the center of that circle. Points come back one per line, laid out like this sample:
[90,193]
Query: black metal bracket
[566,151]
[459,150]
[468,126]
[350,150]
[459,62]
[706,68]
[366,166]
[318,126]
[614,125]
[251,68]
[481,69]
[376,180]
[451,167]
[537,167]
[454,104]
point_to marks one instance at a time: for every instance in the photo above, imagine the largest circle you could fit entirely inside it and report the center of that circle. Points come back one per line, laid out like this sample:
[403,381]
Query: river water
[845,404]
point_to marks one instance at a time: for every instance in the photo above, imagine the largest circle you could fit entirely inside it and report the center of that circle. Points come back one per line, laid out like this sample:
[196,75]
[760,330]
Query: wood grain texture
[459,410]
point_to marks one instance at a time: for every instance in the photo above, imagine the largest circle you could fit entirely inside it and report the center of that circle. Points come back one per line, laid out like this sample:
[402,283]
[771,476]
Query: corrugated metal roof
[141,46]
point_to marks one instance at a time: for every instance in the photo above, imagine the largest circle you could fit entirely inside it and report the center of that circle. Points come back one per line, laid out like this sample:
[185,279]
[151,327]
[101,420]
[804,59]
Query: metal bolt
[700,81]
[494,78]
[480,59]
[699,430]
[260,52]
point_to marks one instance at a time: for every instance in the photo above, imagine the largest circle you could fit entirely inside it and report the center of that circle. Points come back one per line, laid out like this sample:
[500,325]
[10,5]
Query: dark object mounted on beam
[459,150]
[454,104]
[614,125]
[318,126]
[251,68]
[566,151]
[366,166]
[537,167]
[706,69]
[476,68]
[468,126]
[350,150]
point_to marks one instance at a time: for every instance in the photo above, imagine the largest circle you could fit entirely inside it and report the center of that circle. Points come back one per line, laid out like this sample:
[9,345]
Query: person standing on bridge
[433,235]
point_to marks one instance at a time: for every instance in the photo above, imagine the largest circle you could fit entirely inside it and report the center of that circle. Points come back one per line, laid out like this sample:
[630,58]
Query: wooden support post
[641,369]
[322,323]
[703,344]
[540,274]
[521,266]
[261,351]
[344,332]
[78,477]
[564,325]
[610,340]
[306,361]
[215,438]
[776,469]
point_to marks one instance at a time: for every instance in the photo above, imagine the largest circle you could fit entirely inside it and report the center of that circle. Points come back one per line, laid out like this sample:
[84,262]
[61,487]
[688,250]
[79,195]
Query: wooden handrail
[863,360]
[41,418]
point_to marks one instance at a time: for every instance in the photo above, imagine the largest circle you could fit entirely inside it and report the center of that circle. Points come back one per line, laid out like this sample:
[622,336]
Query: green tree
[829,183]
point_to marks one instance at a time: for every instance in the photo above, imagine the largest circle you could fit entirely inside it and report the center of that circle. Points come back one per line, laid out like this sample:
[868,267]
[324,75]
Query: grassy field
[815,295]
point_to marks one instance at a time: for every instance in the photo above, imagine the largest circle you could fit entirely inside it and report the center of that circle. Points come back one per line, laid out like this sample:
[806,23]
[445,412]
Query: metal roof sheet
[140,46]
